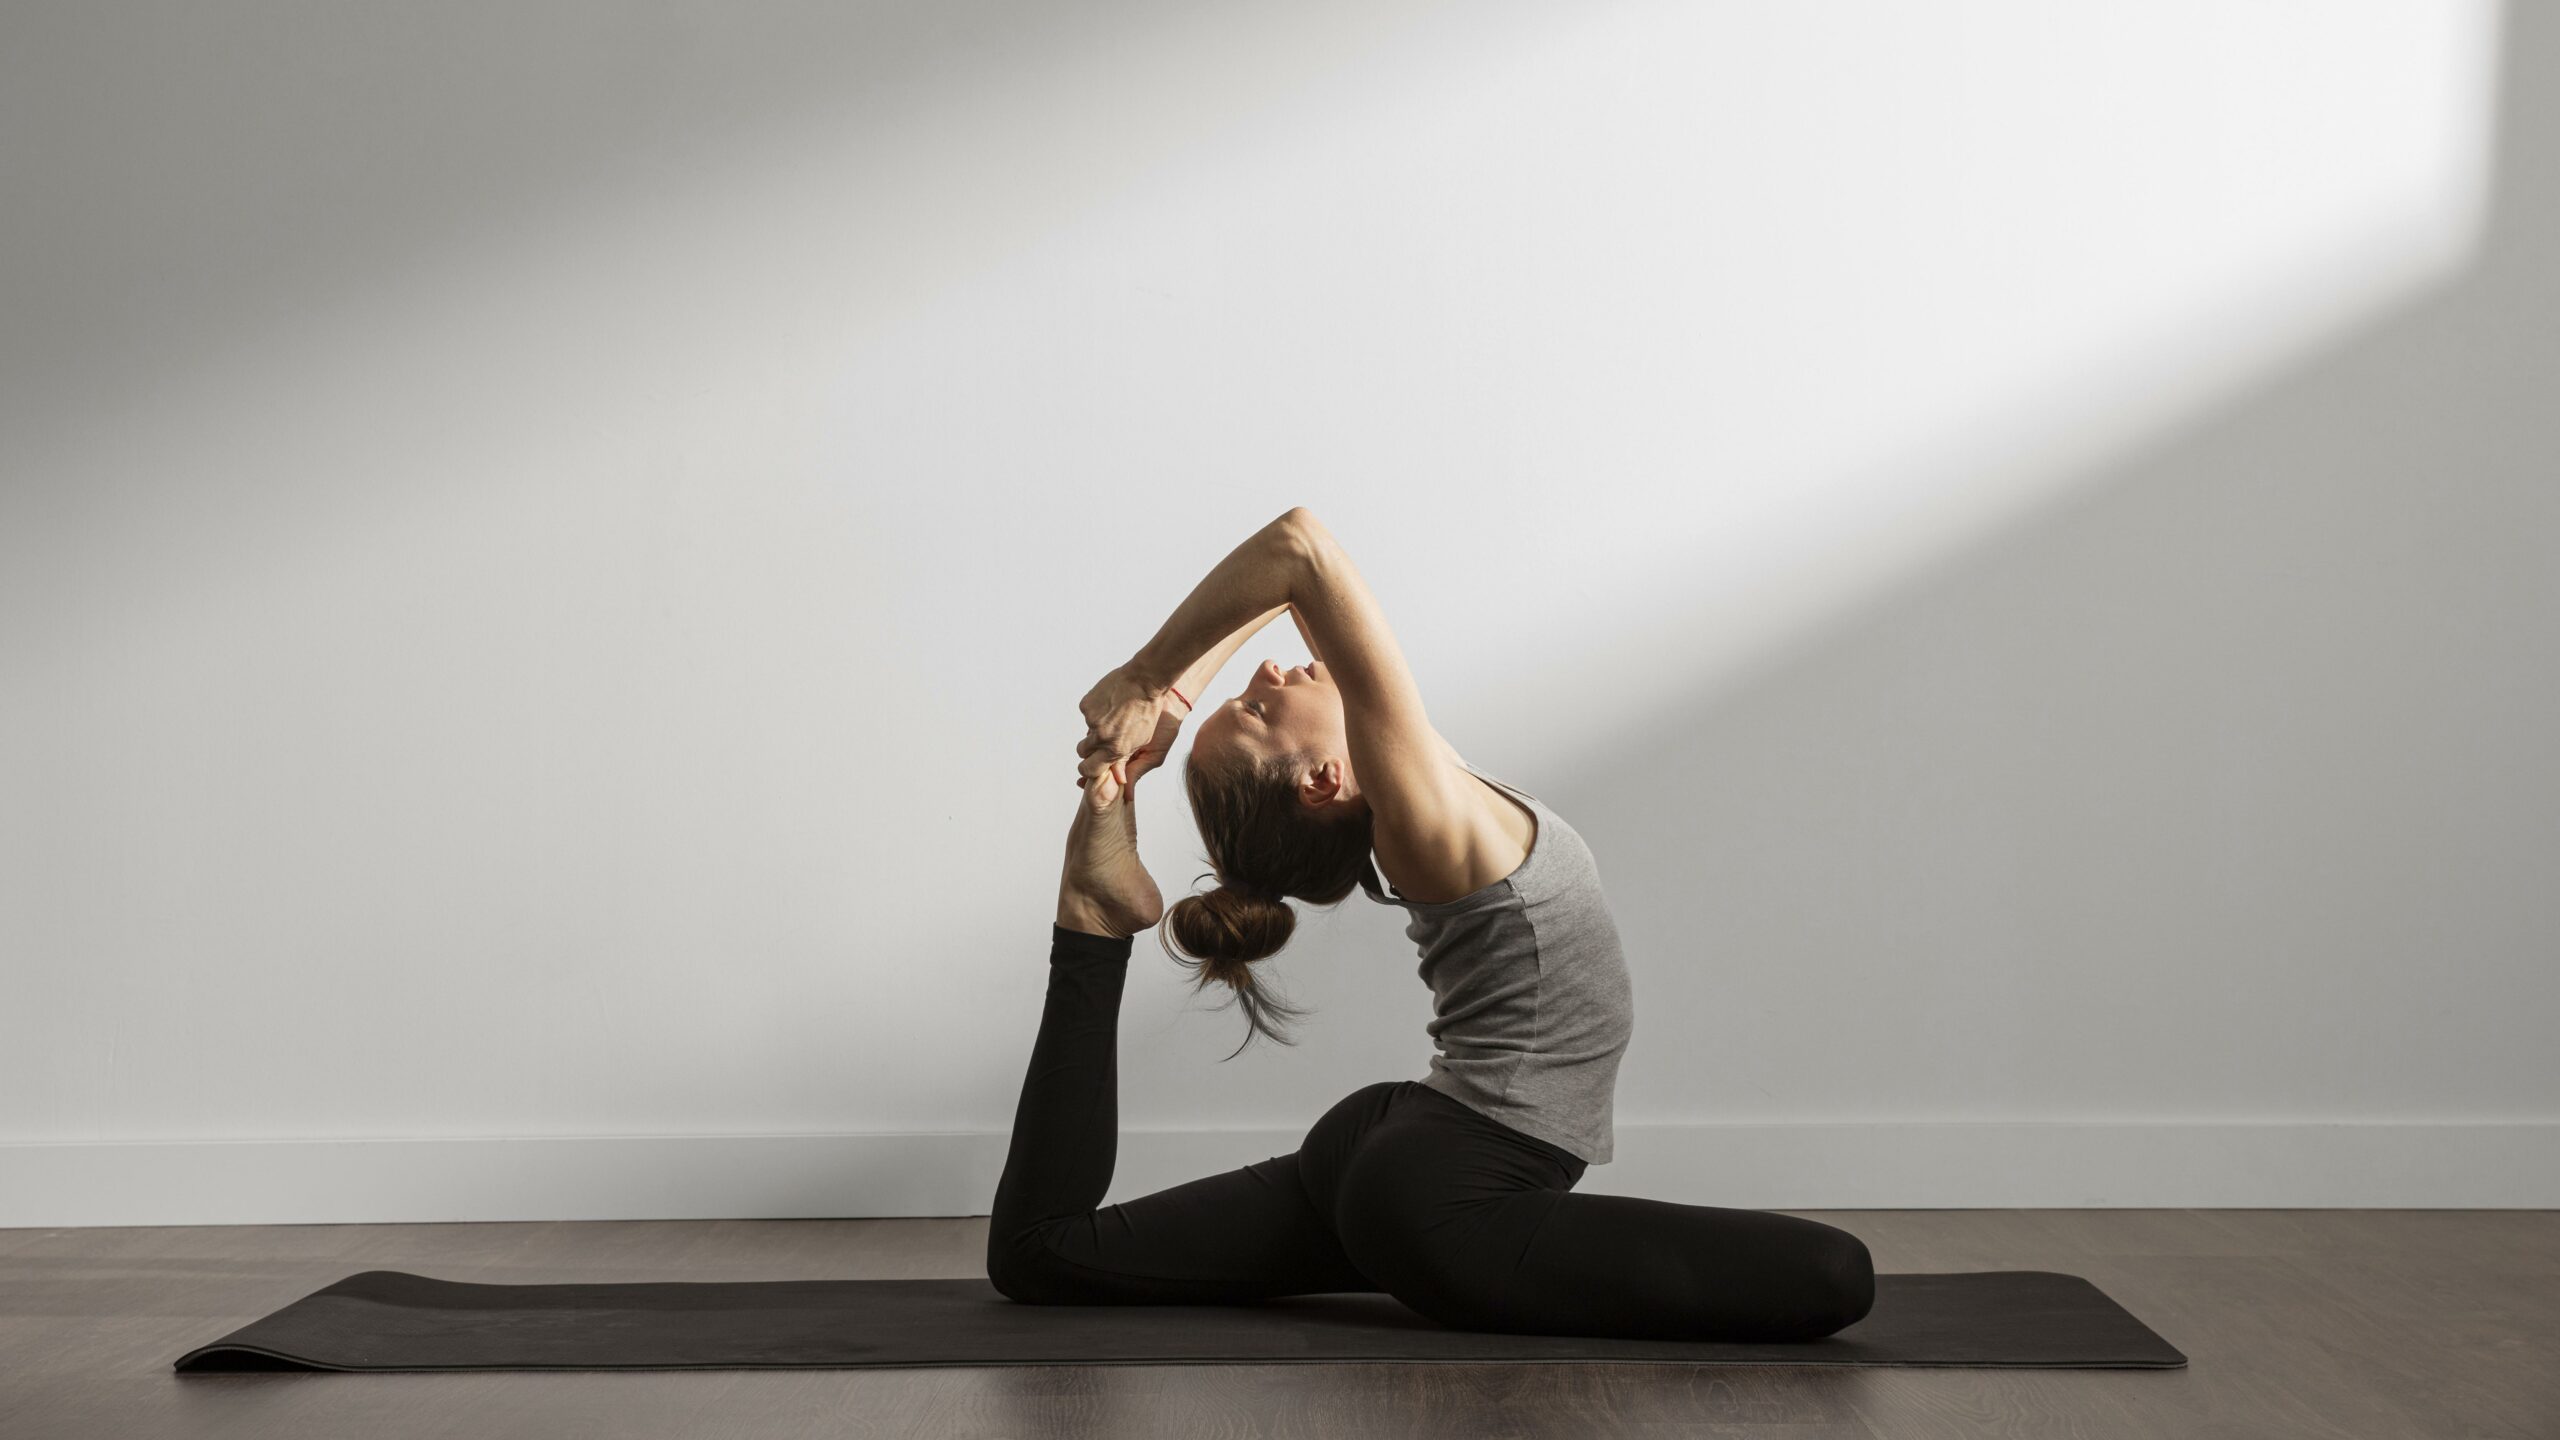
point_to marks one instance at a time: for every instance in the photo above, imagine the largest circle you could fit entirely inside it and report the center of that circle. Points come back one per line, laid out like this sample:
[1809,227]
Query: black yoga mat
[390,1320]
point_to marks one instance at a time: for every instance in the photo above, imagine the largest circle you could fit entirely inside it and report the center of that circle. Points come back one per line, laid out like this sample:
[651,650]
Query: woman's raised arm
[1238,596]
[1427,809]
[1241,594]
[1206,668]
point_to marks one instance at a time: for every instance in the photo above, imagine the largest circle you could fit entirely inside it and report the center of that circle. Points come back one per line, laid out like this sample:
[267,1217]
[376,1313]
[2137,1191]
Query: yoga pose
[1453,1193]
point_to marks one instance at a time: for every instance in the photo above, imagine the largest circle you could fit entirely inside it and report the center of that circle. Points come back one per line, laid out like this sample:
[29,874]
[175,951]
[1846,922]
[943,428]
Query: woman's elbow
[1306,533]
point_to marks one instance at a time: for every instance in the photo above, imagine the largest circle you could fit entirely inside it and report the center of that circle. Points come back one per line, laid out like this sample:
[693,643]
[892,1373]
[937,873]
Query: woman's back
[1532,1004]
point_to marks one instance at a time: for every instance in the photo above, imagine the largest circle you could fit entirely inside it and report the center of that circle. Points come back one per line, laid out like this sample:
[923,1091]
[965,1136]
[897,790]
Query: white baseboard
[2354,1165]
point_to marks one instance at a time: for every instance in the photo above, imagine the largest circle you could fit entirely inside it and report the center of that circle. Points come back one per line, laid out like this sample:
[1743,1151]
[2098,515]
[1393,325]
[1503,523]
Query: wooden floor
[2347,1323]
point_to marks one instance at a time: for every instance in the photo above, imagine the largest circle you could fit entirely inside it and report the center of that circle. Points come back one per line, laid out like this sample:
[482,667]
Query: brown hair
[1267,847]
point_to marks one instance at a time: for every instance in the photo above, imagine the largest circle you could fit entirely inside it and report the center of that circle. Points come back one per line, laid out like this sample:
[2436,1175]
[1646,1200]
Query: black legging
[1400,1189]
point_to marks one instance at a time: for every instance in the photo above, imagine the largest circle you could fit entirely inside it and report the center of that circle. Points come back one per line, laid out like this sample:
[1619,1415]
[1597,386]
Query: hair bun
[1221,933]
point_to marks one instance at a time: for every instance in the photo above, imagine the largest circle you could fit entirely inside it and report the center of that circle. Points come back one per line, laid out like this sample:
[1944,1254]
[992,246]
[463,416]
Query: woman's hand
[1121,713]
[1115,783]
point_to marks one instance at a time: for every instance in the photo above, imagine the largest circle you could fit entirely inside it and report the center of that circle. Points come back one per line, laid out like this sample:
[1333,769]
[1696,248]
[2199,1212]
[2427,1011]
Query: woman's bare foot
[1104,889]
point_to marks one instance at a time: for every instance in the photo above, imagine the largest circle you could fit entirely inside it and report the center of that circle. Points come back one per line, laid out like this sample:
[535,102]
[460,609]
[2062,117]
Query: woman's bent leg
[1621,1265]
[1476,1227]
[1248,1234]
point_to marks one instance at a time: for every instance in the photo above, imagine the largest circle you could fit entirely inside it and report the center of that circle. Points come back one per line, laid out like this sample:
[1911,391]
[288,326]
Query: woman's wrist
[1150,671]
[1165,682]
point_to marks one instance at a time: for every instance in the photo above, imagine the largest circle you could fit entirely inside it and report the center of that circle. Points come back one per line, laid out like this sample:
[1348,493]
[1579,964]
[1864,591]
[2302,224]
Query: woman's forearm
[1246,591]
[1193,681]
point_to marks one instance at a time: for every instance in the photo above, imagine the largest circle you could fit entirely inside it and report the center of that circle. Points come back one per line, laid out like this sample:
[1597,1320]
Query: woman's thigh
[1440,1205]
[1325,1155]
[1246,1234]
[1631,1267]
[1474,1225]
[1258,1232]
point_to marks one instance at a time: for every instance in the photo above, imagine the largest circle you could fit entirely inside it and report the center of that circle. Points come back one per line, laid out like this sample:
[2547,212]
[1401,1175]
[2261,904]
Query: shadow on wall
[2230,775]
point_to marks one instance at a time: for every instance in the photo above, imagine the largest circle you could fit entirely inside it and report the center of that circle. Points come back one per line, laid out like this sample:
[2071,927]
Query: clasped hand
[1129,728]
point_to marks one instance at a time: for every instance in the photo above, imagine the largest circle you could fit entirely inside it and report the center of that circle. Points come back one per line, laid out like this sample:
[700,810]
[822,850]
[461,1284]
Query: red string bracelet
[1185,699]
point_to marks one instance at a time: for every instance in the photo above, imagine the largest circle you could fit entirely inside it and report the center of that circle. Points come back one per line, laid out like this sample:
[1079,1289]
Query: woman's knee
[1025,1270]
[1844,1286]
[1014,1271]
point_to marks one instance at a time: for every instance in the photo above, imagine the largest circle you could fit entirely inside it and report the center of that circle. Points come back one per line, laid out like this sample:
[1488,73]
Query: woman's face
[1279,712]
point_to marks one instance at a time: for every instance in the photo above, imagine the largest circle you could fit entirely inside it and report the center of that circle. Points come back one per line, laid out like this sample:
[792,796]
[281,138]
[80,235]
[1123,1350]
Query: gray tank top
[1532,1006]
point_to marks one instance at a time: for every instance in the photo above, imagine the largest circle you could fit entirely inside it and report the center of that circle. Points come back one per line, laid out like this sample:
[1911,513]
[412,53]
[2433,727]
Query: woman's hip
[1402,1146]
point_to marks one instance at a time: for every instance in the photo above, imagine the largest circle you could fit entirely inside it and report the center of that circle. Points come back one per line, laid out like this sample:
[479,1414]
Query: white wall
[547,555]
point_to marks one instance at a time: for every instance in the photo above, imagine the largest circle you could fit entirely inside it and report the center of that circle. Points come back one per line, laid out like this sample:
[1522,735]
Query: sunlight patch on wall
[1668,333]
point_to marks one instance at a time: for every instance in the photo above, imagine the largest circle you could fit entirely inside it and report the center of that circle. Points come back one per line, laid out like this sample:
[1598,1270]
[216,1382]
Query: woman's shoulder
[1495,842]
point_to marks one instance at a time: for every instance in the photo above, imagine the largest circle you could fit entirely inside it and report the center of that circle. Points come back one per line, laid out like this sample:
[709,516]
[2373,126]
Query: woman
[1452,1193]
